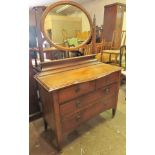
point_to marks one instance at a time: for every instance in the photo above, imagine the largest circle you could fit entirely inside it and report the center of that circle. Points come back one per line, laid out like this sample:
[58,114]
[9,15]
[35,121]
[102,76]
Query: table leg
[113,112]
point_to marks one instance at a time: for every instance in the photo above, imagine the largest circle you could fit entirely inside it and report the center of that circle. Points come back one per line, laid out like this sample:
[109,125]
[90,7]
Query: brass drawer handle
[78,104]
[78,117]
[106,90]
[77,89]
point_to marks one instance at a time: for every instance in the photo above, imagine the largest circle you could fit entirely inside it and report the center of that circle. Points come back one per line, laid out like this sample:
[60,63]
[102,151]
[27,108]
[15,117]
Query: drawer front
[75,91]
[87,100]
[72,122]
[109,79]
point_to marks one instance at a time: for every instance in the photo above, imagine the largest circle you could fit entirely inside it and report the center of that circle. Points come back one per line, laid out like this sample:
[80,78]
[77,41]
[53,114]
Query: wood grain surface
[70,77]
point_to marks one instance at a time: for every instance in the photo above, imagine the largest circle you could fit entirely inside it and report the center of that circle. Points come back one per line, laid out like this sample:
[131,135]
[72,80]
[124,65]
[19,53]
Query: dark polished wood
[34,21]
[113,20]
[76,92]
[38,13]
[34,109]
[75,120]
[84,101]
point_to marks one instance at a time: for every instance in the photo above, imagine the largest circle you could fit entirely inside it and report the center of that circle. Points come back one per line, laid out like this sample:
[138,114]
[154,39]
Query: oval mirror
[66,25]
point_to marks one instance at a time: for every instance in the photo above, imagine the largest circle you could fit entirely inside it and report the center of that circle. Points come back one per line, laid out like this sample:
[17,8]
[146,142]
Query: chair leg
[116,58]
[101,56]
[120,59]
[110,58]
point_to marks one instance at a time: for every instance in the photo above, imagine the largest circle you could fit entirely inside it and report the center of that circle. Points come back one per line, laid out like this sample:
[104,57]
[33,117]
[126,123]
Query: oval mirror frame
[52,6]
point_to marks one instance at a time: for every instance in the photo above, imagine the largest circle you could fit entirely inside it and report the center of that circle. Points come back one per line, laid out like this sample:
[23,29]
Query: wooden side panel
[119,17]
[110,14]
[113,20]
[58,124]
[47,106]
[34,109]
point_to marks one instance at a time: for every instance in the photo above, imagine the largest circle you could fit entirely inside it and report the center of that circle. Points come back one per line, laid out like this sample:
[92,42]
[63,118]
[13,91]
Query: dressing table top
[74,73]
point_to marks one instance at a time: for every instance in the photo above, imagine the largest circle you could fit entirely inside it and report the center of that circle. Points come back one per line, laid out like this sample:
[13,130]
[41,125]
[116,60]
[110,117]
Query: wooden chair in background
[113,52]
[99,49]
[86,49]
[122,62]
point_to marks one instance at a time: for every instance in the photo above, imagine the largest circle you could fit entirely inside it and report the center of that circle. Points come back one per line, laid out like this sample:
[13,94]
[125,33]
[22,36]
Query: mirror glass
[67,26]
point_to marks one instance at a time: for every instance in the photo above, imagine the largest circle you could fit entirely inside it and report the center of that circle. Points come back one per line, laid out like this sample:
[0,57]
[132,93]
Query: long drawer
[80,103]
[75,91]
[72,122]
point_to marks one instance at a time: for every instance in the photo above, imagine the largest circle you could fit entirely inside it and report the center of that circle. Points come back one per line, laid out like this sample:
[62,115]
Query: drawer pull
[106,90]
[78,117]
[78,104]
[77,89]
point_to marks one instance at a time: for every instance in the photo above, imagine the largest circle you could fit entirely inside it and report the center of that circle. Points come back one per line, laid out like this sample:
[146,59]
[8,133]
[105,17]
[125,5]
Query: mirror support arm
[94,36]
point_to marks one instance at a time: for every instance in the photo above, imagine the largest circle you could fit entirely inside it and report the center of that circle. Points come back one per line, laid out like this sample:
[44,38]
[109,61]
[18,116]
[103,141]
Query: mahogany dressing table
[74,90]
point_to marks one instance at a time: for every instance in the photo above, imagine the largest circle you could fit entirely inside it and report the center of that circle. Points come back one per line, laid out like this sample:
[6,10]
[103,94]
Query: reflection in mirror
[67,26]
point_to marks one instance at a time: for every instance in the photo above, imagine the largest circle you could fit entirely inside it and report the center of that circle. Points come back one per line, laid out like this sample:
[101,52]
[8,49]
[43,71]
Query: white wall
[97,7]
[124,21]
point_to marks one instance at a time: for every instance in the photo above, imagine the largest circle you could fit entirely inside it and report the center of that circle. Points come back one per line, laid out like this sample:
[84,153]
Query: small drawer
[75,91]
[109,79]
[76,105]
[108,90]
[77,119]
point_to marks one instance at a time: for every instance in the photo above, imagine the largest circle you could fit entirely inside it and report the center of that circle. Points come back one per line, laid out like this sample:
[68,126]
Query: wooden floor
[100,136]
